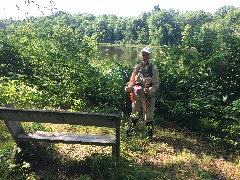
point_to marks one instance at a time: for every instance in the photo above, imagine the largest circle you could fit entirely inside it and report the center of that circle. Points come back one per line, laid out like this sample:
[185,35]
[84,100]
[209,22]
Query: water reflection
[127,55]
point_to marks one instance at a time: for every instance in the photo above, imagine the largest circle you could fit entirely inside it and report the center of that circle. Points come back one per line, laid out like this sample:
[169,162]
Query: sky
[19,9]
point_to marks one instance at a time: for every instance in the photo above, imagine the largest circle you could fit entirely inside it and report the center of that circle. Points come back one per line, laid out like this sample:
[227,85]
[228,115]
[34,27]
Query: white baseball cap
[147,50]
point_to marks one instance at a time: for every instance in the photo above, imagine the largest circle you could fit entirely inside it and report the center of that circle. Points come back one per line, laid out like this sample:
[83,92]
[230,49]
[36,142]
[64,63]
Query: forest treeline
[156,28]
[45,63]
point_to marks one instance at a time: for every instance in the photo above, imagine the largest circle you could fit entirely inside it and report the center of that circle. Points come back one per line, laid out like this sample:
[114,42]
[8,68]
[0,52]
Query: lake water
[125,54]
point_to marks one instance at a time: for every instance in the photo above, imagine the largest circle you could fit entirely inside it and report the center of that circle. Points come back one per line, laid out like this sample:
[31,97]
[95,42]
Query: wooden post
[117,147]
[14,127]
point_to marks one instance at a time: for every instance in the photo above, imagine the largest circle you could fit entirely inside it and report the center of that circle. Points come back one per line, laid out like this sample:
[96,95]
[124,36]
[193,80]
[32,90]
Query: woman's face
[145,57]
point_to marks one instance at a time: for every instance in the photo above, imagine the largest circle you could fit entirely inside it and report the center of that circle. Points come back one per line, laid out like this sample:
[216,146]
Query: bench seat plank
[61,137]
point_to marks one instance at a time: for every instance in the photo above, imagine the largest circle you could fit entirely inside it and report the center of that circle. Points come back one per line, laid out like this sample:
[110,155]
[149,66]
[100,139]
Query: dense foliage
[157,28]
[45,63]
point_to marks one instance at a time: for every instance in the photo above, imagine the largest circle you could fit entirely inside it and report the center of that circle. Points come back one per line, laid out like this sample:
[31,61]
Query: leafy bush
[19,93]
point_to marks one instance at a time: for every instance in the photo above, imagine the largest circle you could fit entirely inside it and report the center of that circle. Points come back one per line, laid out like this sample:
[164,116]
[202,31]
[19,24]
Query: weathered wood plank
[67,138]
[60,117]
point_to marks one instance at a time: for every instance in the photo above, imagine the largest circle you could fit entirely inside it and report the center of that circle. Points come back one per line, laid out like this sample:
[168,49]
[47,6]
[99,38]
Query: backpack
[149,71]
[145,74]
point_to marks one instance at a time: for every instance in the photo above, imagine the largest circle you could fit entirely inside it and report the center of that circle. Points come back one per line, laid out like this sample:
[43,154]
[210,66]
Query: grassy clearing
[174,153]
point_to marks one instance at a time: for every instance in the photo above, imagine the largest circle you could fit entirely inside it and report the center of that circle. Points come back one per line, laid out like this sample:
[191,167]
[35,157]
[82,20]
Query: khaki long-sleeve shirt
[138,78]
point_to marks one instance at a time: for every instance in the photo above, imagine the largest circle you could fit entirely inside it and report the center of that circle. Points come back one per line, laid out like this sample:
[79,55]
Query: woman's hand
[146,90]
[128,89]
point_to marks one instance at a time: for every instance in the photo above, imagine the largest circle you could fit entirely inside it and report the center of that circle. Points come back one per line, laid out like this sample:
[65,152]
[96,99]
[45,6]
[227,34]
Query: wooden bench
[13,118]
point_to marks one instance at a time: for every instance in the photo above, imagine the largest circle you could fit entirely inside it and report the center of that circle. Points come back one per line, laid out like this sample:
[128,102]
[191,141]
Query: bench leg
[114,153]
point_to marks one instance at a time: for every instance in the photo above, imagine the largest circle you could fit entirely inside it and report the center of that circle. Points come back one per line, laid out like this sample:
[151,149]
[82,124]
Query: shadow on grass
[48,163]
[176,153]
[182,139]
[209,161]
